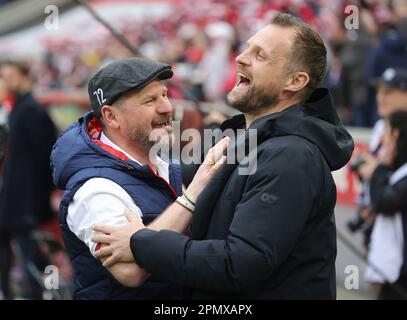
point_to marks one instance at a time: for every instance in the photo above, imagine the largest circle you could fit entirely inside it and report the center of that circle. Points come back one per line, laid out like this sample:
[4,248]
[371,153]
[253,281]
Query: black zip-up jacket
[271,234]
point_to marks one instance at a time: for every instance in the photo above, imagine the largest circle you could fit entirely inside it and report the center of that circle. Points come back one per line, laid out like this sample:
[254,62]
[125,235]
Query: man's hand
[116,240]
[213,161]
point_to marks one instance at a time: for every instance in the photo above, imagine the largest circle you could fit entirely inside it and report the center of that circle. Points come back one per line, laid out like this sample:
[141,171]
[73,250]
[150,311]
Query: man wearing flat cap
[102,163]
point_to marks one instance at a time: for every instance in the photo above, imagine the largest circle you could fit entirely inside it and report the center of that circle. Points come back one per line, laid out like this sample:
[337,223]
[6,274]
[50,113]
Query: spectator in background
[391,52]
[388,191]
[27,182]
[391,96]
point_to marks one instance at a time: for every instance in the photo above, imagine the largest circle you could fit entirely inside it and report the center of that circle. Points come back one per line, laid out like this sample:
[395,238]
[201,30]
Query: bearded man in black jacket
[270,234]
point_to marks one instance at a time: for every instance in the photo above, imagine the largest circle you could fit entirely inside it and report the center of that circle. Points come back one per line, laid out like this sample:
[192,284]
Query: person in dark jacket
[388,193]
[269,234]
[27,182]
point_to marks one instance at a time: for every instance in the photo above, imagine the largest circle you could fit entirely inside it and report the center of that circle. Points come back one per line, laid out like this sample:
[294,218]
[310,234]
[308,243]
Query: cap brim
[165,74]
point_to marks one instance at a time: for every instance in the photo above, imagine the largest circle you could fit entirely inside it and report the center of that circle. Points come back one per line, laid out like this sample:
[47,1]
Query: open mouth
[161,124]
[242,80]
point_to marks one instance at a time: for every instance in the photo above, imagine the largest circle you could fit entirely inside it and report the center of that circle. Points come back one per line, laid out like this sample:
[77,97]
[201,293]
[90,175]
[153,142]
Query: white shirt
[102,201]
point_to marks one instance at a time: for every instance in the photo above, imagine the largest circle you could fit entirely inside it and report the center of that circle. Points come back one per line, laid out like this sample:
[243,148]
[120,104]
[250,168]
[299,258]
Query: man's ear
[297,81]
[110,116]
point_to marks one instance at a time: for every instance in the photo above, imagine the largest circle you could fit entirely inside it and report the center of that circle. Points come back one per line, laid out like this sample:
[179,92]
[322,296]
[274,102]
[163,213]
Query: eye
[165,95]
[260,56]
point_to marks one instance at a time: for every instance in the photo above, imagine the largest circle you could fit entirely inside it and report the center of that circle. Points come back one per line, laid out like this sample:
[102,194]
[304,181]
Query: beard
[255,99]
[147,138]
[140,136]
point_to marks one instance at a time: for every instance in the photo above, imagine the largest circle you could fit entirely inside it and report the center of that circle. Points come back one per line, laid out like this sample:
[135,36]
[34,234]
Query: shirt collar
[110,143]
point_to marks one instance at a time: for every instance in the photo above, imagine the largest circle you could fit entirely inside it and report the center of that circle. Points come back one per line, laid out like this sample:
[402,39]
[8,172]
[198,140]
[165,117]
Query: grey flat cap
[121,76]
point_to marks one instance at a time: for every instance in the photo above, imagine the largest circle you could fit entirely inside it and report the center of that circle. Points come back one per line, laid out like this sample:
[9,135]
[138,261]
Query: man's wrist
[191,194]
[187,204]
[189,199]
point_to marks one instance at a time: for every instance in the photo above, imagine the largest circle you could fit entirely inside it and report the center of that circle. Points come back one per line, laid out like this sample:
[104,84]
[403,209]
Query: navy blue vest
[152,195]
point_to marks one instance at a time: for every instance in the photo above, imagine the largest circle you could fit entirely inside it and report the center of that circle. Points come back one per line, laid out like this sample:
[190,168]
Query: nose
[165,106]
[243,58]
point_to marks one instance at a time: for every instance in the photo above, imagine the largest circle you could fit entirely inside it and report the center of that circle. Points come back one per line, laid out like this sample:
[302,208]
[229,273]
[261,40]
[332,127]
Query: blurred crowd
[202,40]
